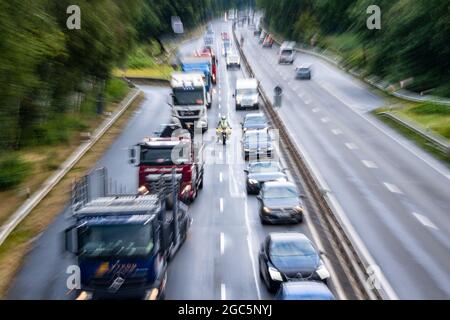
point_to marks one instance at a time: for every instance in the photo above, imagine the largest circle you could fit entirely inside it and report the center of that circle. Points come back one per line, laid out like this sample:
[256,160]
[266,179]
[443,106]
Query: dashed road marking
[351,145]
[369,164]
[392,188]
[221,205]
[221,177]
[336,132]
[325,120]
[315,110]
[425,221]
[223,292]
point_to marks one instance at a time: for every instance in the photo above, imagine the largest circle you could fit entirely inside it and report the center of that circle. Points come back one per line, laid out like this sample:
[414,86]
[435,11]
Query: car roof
[307,290]
[304,66]
[246,83]
[283,236]
[275,184]
[254,115]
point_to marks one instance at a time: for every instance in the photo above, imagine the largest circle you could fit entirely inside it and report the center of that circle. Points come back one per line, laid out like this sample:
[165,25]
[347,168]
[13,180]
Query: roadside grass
[158,72]
[17,245]
[434,117]
[49,146]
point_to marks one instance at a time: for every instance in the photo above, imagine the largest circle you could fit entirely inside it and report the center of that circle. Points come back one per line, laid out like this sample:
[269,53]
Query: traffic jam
[124,243]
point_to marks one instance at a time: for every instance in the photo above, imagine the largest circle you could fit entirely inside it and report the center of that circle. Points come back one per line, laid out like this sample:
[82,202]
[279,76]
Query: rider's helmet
[224,118]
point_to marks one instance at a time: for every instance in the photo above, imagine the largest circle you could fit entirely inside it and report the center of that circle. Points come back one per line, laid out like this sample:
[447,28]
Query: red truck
[157,156]
[208,52]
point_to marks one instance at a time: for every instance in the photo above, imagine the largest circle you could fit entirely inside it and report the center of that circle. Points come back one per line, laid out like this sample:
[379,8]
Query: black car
[260,172]
[257,144]
[304,290]
[254,121]
[289,257]
[280,203]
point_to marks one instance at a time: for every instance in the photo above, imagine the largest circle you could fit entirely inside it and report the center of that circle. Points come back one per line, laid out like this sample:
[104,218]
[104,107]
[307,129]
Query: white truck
[189,99]
[287,52]
[246,95]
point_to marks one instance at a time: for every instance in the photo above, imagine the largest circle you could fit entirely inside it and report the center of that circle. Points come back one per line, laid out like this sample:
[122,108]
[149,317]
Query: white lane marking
[250,252]
[336,132]
[307,101]
[220,106]
[377,126]
[425,221]
[325,120]
[315,110]
[392,188]
[369,164]
[351,145]
[221,177]
[221,204]
[222,243]
[223,292]
[220,99]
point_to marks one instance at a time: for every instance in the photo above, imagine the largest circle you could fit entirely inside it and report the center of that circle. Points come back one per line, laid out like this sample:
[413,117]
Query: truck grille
[189,113]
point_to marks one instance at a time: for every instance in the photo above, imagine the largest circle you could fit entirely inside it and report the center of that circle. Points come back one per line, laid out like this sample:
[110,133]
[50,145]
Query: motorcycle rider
[223,125]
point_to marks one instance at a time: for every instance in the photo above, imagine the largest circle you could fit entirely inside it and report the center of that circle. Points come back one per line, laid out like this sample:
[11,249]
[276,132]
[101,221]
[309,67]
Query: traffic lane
[356,92]
[259,232]
[43,273]
[303,123]
[430,240]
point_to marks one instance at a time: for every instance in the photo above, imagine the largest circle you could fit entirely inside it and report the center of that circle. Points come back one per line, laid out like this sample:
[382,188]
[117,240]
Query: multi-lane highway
[219,260]
[395,196]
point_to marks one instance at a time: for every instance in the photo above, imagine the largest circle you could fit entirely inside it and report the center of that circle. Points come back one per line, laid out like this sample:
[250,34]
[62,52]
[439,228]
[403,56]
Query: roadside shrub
[13,170]
[116,89]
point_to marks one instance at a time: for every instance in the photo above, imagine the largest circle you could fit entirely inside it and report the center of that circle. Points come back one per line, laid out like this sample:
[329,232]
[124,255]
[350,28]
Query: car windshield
[255,120]
[254,138]
[280,192]
[264,167]
[303,69]
[160,156]
[286,52]
[247,92]
[116,240]
[184,97]
[285,248]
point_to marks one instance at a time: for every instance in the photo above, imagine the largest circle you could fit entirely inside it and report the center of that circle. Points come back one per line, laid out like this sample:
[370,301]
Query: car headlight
[252,181]
[322,271]
[275,274]
[298,209]
[267,210]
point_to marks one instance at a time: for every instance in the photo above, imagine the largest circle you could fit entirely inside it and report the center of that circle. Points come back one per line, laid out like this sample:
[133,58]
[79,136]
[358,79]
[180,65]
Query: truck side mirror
[71,240]
[234,95]
[132,155]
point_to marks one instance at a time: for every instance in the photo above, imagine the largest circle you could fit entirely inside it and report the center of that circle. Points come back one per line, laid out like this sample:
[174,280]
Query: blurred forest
[414,40]
[46,70]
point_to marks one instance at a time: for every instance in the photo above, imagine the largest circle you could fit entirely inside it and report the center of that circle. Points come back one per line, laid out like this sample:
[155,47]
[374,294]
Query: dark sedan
[304,290]
[257,144]
[289,257]
[260,172]
[280,203]
[254,121]
[303,72]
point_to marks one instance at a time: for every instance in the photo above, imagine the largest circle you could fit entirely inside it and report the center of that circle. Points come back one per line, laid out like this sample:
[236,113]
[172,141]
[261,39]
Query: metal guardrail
[26,208]
[381,85]
[440,142]
[352,259]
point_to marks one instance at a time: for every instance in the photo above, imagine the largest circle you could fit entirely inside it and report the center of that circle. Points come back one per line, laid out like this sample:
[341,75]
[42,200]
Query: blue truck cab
[203,65]
[122,244]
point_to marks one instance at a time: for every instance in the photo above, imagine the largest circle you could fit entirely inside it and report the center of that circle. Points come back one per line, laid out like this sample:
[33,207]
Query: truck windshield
[183,97]
[163,155]
[116,240]
[247,92]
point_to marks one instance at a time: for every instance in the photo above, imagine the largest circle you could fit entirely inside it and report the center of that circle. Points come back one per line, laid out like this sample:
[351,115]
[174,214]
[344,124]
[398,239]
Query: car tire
[200,186]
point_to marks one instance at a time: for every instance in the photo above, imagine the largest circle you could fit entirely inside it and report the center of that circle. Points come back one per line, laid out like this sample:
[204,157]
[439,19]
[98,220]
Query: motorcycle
[223,134]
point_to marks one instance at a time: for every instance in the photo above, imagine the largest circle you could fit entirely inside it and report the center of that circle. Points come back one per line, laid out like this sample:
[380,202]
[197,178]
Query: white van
[246,95]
